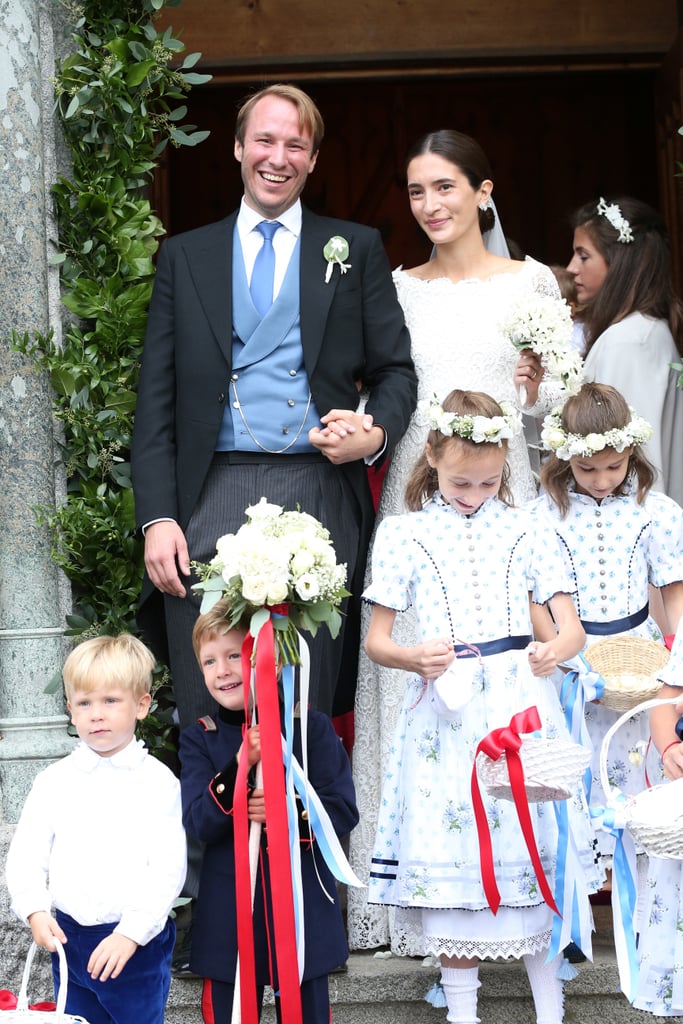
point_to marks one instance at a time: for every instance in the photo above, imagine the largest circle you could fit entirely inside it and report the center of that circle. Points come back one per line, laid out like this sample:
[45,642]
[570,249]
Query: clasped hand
[346,436]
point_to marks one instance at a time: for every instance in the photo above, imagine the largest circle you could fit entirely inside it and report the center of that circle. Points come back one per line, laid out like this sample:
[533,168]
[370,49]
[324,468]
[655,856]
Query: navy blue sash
[505,643]
[616,625]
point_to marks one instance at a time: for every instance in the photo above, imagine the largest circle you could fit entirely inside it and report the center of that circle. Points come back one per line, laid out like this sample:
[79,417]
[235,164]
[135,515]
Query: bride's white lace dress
[456,343]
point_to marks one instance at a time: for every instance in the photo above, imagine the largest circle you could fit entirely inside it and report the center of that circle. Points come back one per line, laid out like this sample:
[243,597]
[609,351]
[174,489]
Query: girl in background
[633,321]
[617,536]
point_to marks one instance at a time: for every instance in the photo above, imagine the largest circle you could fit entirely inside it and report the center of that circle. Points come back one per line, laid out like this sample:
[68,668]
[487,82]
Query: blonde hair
[310,118]
[595,409]
[121,661]
[216,622]
[423,480]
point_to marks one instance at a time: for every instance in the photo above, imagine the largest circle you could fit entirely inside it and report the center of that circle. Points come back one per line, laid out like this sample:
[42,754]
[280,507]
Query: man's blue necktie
[263,275]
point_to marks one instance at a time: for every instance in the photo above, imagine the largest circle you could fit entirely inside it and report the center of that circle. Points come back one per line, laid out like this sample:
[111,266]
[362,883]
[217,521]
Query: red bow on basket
[8,1001]
[508,741]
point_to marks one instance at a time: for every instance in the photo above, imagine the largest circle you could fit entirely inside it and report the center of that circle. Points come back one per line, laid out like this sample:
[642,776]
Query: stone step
[391,991]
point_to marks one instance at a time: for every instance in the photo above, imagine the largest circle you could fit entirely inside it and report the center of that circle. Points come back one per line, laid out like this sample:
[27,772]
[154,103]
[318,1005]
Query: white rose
[277,592]
[307,587]
[595,442]
[264,510]
[255,589]
[554,437]
[302,562]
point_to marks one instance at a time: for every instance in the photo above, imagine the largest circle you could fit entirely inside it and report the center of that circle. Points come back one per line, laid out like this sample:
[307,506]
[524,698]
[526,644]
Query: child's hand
[672,760]
[256,806]
[108,959]
[542,658]
[431,658]
[251,746]
[45,930]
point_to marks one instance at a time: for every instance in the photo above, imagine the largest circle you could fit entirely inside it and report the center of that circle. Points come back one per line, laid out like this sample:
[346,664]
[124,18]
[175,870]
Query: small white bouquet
[544,325]
[280,562]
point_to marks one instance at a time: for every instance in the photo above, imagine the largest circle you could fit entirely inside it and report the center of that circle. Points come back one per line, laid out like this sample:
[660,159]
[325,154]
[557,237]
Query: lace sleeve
[543,280]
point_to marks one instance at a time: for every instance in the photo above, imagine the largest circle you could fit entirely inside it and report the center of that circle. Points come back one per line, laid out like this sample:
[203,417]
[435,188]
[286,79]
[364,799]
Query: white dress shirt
[284,239]
[101,839]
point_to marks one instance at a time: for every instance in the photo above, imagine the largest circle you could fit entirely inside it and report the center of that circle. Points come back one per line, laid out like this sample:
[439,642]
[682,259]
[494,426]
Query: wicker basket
[628,664]
[654,817]
[552,770]
[22,1014]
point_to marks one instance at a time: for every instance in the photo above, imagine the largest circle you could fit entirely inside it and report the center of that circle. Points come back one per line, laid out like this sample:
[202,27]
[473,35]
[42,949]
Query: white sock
[546,987]
[460,986]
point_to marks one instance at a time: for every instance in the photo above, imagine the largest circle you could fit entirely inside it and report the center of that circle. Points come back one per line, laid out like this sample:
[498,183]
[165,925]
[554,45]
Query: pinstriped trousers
[235,481]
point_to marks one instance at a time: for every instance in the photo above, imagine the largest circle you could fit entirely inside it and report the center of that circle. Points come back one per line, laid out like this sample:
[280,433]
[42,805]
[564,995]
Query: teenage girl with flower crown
[467,561]
[633,320]
[617,536]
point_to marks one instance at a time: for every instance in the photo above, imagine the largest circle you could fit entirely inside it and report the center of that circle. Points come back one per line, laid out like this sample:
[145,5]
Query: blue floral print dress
[469,579]
[612,552]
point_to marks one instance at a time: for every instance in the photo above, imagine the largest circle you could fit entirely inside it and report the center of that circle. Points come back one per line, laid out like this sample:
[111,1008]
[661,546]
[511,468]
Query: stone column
[32,597]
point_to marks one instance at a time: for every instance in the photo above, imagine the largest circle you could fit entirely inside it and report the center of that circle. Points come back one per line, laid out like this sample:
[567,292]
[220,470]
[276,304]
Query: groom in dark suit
[242,397]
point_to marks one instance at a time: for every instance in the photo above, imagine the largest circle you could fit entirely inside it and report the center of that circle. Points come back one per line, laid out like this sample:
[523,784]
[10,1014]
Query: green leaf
[55,684]
[190,60]
[193,78]
[258,620]
[137,73]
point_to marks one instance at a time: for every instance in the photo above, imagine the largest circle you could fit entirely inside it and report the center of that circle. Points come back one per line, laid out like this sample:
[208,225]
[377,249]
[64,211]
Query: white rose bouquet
[280,562]
[544,325]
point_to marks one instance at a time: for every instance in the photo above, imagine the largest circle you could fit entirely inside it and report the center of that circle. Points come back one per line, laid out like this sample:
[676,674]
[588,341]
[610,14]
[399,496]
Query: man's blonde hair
[310,118]
[119,661]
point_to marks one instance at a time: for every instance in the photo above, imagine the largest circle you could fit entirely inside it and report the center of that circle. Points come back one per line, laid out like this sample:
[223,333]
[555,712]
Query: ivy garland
[119,103]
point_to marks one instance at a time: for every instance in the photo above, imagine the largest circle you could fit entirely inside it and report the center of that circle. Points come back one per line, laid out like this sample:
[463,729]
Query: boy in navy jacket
[209,753]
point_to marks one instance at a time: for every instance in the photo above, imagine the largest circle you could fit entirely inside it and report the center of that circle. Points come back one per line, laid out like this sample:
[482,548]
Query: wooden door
[555,140]
[669,119]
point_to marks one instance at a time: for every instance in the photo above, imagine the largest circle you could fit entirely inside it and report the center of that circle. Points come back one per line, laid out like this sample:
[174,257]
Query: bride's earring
[485,204]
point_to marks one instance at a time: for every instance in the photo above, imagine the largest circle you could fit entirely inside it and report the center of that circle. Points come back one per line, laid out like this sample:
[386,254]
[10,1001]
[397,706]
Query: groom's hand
[346,436]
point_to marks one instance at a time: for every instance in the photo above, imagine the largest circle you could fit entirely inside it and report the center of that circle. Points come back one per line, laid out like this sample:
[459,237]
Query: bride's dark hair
[467,155]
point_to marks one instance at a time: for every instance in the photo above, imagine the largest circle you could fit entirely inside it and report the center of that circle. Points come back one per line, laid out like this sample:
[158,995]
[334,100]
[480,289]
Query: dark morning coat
[214,929]
[352,329]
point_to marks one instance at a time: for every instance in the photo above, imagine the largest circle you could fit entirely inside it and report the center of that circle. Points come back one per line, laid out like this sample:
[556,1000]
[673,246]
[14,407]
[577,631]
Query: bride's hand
[528,375]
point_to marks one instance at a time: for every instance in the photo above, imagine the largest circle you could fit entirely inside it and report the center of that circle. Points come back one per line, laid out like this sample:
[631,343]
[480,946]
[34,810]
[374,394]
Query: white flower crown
[617,220]
[480,429]
[565,446]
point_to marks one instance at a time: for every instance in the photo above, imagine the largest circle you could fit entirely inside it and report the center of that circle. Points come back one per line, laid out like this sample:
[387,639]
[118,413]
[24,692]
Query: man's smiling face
[276,156]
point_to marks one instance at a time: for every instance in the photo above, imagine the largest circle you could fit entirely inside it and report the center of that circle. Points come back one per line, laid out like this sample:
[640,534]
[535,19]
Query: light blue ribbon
[288,680]
[571,892]
[624,888]
[579,687]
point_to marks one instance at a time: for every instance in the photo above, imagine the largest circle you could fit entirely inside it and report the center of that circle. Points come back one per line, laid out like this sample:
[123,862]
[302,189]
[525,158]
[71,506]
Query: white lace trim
[491,949]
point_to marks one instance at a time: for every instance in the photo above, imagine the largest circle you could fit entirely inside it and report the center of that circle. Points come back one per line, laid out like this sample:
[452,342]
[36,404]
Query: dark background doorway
[555,140]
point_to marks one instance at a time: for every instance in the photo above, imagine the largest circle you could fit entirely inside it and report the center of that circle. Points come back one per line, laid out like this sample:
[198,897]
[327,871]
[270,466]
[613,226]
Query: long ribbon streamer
[624,889]
[507,740]
[284,927]
[574,923]
[579,687]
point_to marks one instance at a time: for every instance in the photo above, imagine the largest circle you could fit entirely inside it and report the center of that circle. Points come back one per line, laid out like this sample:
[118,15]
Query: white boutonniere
[336,251]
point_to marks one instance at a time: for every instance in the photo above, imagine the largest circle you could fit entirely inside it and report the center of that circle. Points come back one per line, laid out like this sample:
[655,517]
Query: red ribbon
[508,741]
[8,1001]
[281,895]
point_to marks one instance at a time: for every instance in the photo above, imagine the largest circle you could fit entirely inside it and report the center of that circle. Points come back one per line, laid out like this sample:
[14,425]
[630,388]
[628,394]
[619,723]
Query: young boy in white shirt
[100,839]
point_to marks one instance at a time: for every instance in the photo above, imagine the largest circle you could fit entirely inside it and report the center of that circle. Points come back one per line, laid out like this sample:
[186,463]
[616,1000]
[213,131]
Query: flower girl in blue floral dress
[617,537]
[469,563]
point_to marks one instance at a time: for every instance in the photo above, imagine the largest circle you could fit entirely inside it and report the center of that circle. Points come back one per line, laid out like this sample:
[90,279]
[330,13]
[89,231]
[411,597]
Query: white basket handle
[22,1001]
[645,706]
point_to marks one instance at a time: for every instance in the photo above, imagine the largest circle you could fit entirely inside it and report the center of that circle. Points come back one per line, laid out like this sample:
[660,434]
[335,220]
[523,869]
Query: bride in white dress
[454,306]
